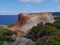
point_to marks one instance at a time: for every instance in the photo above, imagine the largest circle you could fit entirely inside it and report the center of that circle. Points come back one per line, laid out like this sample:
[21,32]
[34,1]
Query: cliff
[42,16]
[20,18]
[27,21]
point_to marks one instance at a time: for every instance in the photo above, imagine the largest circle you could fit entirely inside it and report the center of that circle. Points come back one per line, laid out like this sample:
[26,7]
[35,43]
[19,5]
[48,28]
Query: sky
[14,7]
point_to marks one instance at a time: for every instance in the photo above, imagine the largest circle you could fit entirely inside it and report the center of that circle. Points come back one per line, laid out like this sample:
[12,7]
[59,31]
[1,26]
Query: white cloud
[57,7]
[13,4]
[38,1]
[33,1]
[56,1]
[25,0]
[3,12]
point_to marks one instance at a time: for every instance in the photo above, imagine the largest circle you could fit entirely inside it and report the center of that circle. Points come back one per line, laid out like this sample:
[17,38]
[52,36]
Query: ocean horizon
[8,19]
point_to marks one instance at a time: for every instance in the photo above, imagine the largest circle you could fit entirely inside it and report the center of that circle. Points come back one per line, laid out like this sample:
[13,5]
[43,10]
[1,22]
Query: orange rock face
[31,20]
[20,18]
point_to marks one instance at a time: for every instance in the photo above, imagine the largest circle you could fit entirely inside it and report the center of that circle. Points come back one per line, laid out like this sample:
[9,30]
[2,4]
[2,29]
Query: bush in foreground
[48,34]
[5,35]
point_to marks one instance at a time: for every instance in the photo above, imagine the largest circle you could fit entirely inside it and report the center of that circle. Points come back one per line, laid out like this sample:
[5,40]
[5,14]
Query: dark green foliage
[48,34]
[5,35]
[57,18]
[10,25]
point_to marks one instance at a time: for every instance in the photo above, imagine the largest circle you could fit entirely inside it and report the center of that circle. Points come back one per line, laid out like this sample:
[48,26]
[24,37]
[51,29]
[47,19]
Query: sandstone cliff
[27,21]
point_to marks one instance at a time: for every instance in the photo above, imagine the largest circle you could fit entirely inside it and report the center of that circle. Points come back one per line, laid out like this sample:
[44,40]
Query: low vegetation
[5,35]
[10,25]
[48,34]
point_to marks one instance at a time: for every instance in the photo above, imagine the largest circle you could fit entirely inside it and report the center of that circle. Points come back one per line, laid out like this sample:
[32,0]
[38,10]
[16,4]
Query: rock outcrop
[27,21]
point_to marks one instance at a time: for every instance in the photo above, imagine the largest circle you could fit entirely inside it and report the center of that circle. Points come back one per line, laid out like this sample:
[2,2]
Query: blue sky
[13,7]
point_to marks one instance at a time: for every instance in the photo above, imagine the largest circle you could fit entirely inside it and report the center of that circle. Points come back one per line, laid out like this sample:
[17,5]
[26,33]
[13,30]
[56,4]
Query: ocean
[8,19]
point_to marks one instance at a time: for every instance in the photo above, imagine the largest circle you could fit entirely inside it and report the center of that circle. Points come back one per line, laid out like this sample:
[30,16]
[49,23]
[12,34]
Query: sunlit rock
[27,21]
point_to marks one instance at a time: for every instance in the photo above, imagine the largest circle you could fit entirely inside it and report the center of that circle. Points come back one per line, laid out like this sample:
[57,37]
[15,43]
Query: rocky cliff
[27,21]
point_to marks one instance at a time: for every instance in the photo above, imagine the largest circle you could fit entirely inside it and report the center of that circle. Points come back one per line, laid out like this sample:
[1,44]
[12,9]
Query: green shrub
[48,34]
[5,35]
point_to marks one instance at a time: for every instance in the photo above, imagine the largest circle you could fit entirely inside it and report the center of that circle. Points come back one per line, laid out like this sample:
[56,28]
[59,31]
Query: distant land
[11,19]
[56,13]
